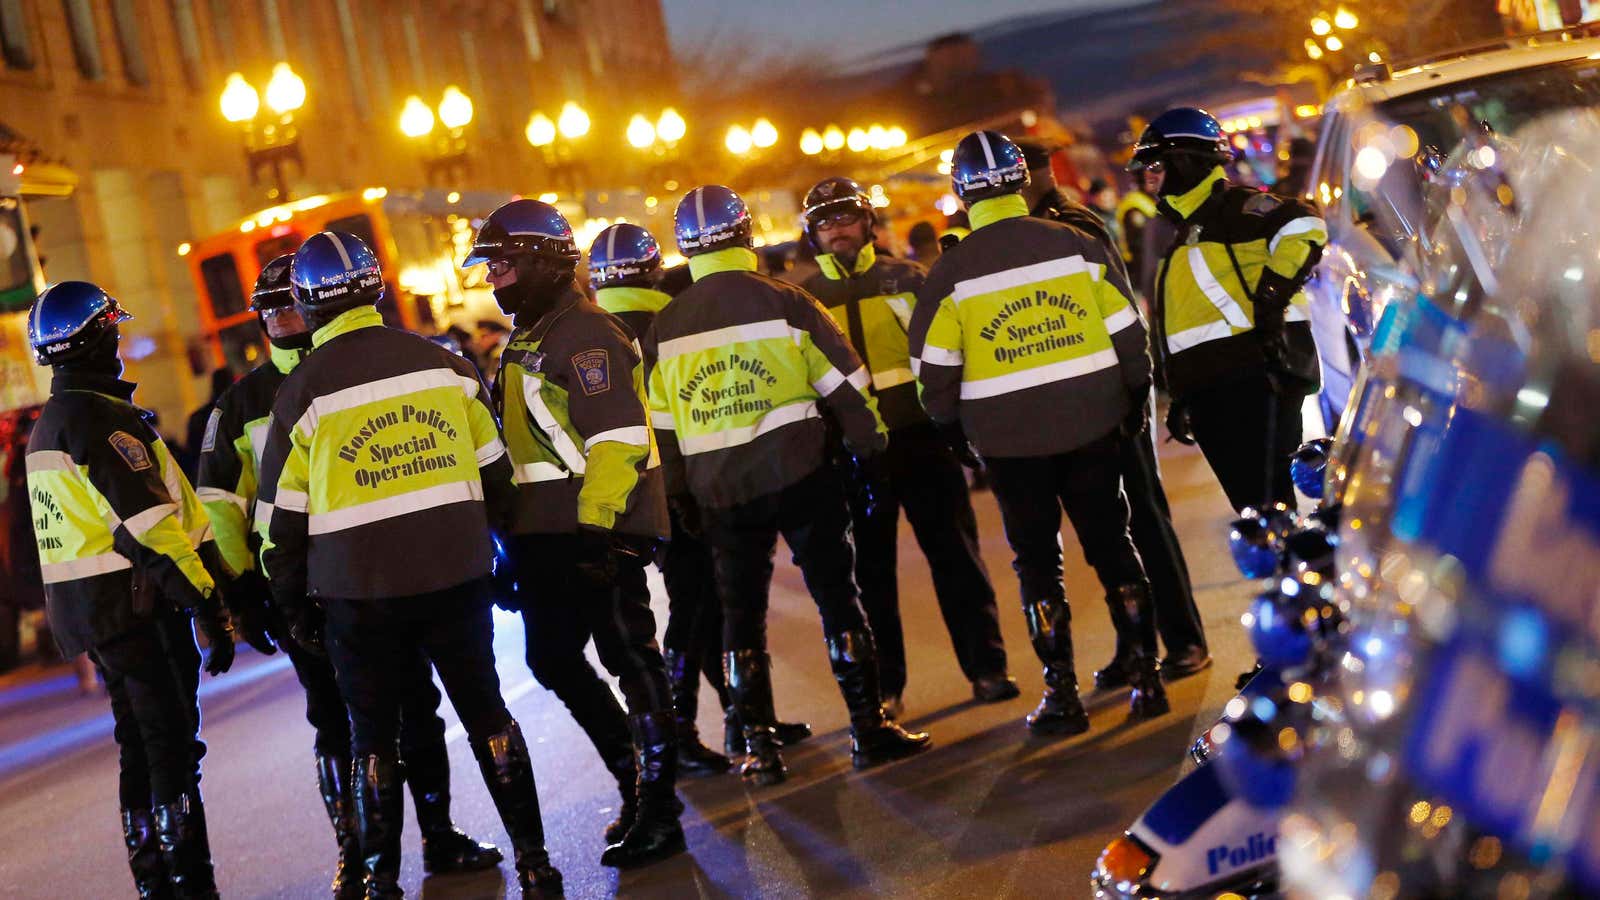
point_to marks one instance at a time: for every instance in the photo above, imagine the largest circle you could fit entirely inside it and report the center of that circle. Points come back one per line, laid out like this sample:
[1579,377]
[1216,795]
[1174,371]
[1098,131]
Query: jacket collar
[833,271]
[346,322]
[544,323]
[630,299]
[994,209]
[728,259]
[1186,205]
[109,385]
[284,359]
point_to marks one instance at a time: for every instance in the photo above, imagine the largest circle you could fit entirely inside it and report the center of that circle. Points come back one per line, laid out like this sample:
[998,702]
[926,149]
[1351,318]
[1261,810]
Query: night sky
[851,28]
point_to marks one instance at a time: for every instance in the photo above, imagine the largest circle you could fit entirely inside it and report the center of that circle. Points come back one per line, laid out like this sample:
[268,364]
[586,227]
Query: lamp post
[445,158]
[658,140]
[555,139]
[270,137]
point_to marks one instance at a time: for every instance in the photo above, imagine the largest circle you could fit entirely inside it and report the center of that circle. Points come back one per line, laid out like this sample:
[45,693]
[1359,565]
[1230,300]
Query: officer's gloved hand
[686,513]
[1178,423]
[504,578]
[213,623]
[306,627]
[871,481]
[1137,420]
[597,556]
[248,599]
[955,437]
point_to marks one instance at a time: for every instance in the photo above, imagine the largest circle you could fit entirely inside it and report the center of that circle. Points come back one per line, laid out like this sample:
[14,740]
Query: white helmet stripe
[611,245]
[988,151]
[700,208]
[1185,134]
[344,255]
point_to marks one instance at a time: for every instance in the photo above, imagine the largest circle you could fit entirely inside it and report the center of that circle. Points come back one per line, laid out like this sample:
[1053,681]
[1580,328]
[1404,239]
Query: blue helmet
[271,290]
[1186,129]
[68,317]
[530,227]
[987,164]
[334,271]
[711,217]
[622,255]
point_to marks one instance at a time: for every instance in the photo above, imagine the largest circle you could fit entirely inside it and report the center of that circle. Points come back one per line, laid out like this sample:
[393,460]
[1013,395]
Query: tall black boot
[180,829]
[333,781]
[787,733]
[144,855]
[1131,612]
[1060,710]
[749,674]
[621,767]
[508,773]
[445,849]
[874,738]
[694,758]
[380,817]
[656,833]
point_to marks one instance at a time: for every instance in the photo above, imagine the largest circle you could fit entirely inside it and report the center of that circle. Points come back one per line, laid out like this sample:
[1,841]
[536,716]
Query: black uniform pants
[1150,525]
[562,611]
[694,614]
[1247,432]
[152,674]
[814,520]
[926,480]
[1033,490]
[375,645]
[421,729]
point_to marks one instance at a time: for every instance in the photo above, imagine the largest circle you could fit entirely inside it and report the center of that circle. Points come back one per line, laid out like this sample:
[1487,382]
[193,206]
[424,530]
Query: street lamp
[857,141]
[811,142]
[455,109]
[570,124]
[541,132]
[1320,26]
[270,140]
[763,134]
[739,142]
[641,134]
[832,138]
[1345,19]
[444,158]
[573,121]
[671,127]
[416,119]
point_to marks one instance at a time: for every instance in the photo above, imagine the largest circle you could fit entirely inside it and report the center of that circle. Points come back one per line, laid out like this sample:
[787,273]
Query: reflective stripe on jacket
[115,520]
[872,306]
[1207,315]
[383,469]
[738,363]
[1025,332]
[571,395]
[230,457]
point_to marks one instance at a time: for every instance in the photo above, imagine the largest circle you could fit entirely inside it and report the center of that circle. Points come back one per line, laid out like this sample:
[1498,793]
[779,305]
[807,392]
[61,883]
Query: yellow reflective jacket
[872,304]
[1228,298]
[738,362]
[383,470]
[230,457]
[1024,332]
[571,395]
[115,520]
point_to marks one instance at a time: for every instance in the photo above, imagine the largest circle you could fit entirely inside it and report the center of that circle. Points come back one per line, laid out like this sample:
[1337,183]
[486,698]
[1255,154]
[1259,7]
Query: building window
[85,39]
[14,39]
[188,31]
[126,19]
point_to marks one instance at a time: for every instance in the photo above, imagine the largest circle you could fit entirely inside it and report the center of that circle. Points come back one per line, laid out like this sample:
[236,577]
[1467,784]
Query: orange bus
[418,237]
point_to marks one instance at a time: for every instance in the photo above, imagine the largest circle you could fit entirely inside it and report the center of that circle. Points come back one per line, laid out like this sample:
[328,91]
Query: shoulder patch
[209,442]
[132,450]
[594,371]
[1261,204]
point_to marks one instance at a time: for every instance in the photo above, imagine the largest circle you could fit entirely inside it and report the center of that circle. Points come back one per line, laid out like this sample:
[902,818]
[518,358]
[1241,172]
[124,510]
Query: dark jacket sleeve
[605,399]
[837,374]
[494,463]
[281,506]
[937,348]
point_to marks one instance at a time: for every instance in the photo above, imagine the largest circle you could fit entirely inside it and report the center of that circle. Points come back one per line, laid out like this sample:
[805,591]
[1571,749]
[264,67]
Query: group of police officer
[685,424]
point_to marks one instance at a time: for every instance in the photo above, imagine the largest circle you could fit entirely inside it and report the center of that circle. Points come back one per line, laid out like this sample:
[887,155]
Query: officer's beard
[1185,172]
[540,283]
[99,358]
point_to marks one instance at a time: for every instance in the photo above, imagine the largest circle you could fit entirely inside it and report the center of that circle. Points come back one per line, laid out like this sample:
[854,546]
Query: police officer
[1027,341]
[229,460]
[739,362]
[382,451]
[1232,334]
[121,538]
[590,509]
[1150,518]
[625,273]
[870,298]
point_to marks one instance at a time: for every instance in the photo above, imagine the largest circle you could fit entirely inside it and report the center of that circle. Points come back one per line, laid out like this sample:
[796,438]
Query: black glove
[687,514]
[1178,423]
[504,578]
[870,481]
[955,437]
[1137,420]
[597,556]
[306,626]
[248,599]
[213,623]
